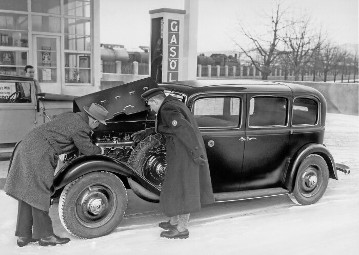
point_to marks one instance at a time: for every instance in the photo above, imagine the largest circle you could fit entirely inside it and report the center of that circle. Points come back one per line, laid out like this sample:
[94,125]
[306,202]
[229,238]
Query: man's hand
[138,136]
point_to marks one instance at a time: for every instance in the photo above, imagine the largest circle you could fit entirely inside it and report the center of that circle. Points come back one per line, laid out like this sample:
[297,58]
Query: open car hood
[121,100]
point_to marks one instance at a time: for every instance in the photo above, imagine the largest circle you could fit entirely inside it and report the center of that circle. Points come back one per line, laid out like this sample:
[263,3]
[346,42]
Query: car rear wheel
[311,180]
[93,205]
[149,159]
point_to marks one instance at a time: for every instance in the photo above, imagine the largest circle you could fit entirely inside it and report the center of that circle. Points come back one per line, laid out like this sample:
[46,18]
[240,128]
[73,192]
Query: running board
[249,194]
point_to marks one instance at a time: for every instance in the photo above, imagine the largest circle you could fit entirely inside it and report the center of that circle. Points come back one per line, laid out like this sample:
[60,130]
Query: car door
[267,141]
[219,119]
[17,109]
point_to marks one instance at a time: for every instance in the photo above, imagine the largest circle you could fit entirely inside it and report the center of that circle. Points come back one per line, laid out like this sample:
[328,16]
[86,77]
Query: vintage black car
[262,139]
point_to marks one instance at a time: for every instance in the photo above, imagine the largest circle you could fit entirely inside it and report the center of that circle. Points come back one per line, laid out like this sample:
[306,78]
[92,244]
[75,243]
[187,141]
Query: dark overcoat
[34,160]
[187,185]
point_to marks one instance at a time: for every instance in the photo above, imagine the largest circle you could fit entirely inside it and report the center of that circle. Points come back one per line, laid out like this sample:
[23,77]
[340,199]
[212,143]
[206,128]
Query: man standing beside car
[30,72]
[187,184]
[32,167]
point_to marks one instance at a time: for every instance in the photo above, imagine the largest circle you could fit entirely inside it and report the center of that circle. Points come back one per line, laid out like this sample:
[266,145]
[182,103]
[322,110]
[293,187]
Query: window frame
[214,95]
[269,126]
[77,52]
[318,111]
[17,48]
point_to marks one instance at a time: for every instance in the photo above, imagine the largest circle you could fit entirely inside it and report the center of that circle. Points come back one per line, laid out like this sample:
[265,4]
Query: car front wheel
[311,180]
[93,205]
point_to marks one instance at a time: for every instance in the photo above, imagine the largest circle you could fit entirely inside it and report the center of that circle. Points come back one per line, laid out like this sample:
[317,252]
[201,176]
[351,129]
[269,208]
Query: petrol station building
[61,39]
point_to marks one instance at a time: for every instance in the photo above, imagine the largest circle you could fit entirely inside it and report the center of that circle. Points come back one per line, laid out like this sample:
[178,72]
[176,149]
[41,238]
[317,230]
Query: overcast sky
[127,22]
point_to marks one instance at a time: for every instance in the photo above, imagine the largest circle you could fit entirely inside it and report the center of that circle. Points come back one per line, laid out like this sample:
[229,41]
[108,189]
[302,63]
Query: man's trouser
[32,222]
[181,221]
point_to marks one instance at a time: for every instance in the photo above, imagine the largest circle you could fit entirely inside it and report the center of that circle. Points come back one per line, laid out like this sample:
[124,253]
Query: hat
[151,93]
[96,112]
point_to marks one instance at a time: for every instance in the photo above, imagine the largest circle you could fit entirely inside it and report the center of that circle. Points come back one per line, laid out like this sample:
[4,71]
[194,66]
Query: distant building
[59,37]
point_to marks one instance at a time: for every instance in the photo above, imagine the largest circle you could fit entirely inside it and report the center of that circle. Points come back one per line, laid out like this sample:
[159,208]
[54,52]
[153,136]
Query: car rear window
[305,111]
[267,111]
[217,112]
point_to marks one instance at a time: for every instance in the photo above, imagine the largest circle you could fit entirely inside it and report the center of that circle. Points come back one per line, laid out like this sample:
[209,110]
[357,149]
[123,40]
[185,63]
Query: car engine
[118,146]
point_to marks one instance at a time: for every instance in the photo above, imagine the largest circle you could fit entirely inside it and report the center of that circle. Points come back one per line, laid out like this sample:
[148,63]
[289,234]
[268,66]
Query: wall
[341,97]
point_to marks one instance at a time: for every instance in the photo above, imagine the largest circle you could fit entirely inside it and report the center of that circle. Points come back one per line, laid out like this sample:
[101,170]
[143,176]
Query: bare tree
[338,62]
[263,53]
[355,65]
[328,58]
[301,44]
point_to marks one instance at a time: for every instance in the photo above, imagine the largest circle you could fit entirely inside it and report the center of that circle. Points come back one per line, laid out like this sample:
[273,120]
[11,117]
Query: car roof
[246,85]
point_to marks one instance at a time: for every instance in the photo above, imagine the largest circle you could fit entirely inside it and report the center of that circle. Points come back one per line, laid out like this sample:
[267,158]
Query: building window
[13,5]
[78,8]
[48,6]
[13,38]
[46,53]
[13,41]
[77,28]
[13,30]
[12,62]
[77,68]
[46,24]
[77,34]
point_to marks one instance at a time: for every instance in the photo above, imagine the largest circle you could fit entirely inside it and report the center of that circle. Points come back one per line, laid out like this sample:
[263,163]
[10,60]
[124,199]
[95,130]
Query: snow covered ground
[263,226]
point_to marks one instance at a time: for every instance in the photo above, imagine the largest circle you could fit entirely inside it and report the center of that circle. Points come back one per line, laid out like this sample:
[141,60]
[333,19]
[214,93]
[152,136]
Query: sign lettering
[174,25]
[173,38]
[6,89]
[173,50]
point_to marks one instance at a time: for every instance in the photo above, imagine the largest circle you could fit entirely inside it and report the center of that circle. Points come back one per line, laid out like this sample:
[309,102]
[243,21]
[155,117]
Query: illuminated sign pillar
[167,45]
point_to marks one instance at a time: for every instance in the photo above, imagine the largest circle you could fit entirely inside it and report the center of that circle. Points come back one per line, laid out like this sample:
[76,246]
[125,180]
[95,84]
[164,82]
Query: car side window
[268,111]
[15,92]
[305,111]
[217,112]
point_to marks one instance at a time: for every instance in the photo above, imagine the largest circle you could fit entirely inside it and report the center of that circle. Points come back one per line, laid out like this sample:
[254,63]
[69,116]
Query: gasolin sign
[173,49]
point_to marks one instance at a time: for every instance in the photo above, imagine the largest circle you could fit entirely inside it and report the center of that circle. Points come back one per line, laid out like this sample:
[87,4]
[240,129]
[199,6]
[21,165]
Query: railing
[250,72]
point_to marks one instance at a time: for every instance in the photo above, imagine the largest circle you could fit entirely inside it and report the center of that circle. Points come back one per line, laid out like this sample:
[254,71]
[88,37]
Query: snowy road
[263,226]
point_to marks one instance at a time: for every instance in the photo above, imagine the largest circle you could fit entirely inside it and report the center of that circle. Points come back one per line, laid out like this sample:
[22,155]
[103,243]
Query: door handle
[242,139]
[251,138]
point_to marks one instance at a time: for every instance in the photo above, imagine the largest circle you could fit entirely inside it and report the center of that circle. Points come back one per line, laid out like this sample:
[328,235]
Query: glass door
[47,59]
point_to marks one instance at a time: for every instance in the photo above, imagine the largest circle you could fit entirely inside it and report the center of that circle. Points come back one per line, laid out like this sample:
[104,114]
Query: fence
[250,72]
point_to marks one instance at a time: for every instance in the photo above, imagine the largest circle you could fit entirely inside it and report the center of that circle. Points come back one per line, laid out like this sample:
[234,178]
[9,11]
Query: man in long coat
[187,184]
[32,167]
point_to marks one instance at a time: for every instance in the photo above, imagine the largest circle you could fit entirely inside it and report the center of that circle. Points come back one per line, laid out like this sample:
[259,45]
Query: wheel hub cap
[309,181]
[312,181]
[95,205]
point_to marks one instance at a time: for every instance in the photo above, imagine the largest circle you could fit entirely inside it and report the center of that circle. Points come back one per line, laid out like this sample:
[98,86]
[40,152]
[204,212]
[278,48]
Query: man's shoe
[166,225]
[22,241]
[53,240]
[175,234]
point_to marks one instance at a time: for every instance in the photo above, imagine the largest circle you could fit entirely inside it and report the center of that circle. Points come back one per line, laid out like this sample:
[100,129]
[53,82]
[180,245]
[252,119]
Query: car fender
[88,164]
[306,150]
